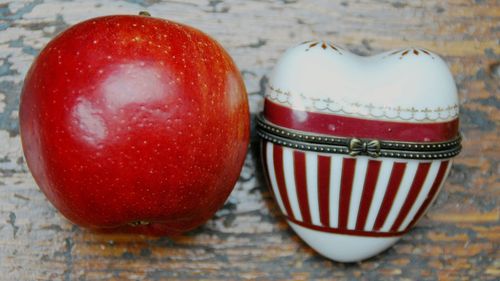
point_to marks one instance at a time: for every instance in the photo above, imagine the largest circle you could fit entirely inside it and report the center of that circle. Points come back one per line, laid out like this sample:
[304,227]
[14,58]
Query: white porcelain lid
[410,84]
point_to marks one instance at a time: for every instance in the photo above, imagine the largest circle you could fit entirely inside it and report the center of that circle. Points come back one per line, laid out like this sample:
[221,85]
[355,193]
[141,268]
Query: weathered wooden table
[247,239]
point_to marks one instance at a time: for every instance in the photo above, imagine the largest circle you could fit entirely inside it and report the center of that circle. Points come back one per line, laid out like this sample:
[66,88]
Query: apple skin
[134,124]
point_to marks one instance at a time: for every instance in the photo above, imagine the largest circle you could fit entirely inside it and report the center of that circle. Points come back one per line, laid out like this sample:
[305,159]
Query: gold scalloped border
[364,110]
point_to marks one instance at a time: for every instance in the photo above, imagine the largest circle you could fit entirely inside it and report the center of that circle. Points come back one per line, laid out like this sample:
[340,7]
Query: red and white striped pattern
[360,196]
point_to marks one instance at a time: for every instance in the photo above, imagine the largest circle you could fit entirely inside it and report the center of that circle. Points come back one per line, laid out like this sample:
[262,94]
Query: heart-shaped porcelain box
[355,149]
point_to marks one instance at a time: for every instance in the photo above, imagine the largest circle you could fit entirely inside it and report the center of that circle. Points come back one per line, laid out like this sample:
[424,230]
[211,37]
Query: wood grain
[248,239]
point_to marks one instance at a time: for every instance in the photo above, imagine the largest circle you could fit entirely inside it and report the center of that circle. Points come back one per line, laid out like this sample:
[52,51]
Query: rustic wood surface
[248,239]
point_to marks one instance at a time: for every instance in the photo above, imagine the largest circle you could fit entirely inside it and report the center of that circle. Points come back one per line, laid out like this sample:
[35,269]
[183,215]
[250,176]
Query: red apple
[134,123]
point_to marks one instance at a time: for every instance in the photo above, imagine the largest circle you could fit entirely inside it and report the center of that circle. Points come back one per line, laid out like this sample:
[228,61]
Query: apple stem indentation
[138,223]
[144,13]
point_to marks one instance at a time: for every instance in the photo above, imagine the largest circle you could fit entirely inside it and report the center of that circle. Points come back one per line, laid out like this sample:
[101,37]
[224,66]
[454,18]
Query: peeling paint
[248,239]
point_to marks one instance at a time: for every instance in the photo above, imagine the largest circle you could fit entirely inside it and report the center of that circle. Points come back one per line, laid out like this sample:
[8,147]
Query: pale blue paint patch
[19,43]
[12,93]
[6,13]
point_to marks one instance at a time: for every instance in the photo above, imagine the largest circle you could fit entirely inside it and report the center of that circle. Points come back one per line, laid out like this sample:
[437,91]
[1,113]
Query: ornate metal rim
[354,146]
